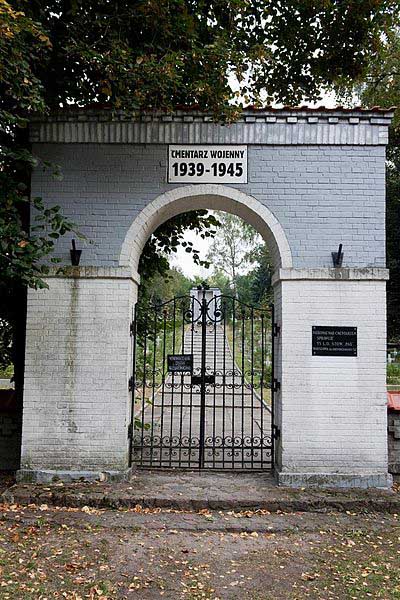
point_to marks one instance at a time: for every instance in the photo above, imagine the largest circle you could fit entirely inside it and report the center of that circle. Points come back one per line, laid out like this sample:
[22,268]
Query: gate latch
[276,385]
[276,330]
[130,384]
[198,380]
[276,432]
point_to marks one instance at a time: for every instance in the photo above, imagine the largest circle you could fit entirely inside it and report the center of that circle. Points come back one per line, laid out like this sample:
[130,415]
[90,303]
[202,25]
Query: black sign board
[334,341]
[180,363]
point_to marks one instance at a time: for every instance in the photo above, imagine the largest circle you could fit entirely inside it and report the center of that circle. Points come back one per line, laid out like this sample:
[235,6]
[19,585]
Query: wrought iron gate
[201,385]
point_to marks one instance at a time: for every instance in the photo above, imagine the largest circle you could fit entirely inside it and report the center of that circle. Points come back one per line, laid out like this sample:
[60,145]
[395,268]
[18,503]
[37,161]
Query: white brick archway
[316,179]
[205,196]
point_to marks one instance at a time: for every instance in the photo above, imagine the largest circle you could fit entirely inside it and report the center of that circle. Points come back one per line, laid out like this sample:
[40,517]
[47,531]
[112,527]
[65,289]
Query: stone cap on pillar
[338,274]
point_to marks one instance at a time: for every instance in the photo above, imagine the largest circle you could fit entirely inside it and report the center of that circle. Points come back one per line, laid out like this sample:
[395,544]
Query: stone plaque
[334,341]
[180,363]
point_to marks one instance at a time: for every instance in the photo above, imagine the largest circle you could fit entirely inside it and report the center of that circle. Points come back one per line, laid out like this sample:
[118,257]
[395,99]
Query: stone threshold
[193,490]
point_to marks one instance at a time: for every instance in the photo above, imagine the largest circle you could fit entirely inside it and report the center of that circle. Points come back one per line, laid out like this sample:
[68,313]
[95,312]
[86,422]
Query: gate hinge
[130,383]
[276,385]
[276,432]
[130,431]
[276,329]
[132,328]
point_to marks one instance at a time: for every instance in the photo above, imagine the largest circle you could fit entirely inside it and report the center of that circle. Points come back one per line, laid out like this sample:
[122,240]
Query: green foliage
[161,288]
[240,261]
[255,287]
[393,373]
[158,282]
[252,357]
[169,236]
[23,245]
[7,372]
[392,239]
[21,251]
[158,54]
[162,53]
[23,45]
[382,85]
[229,251]
[6,342]
[216,279]
[383,88]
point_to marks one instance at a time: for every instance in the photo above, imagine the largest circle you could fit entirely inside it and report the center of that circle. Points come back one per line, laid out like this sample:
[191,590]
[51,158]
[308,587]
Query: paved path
[142,554]
[237,422]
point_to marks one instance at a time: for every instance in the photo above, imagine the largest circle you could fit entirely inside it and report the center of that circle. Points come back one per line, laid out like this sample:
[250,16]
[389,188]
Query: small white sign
[207,164]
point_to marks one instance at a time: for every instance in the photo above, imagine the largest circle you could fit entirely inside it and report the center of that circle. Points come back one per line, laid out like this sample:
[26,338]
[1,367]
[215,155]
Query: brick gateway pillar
[332,409]
[314,179]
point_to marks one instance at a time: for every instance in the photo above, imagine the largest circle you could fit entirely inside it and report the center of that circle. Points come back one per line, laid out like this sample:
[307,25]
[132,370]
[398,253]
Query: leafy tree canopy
[240,261]
[382,87]
[229,251]
[159,54]
[163,53]
[382,82]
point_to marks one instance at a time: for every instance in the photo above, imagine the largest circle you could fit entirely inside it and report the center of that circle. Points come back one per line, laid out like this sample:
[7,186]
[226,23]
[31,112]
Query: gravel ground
[7,479]
[144,553]
[50,552]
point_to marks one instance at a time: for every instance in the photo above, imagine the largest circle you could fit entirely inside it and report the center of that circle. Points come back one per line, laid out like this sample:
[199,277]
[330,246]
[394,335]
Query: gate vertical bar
[172,386]
[153,388]
[262,383]
[252,365]
[133,385]
[144,383]
[203,379]
[214,400]
[191,308]
[242,366]
[272,386]
[182,386]
[163,384]
[233,379]
[224,382]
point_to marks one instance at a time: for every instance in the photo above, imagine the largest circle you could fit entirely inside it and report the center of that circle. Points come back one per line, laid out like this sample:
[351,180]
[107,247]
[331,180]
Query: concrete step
[194,490]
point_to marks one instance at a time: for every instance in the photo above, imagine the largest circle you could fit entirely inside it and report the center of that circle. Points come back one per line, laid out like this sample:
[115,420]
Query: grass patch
[393,373]
[7,373]
[359,564]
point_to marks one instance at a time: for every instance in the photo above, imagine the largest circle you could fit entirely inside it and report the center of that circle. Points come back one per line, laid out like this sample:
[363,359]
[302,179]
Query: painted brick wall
[78,362]
[321,195]
[333,412]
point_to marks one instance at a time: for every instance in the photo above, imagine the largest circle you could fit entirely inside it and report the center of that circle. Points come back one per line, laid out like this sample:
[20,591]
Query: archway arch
[214,197]
[162,208]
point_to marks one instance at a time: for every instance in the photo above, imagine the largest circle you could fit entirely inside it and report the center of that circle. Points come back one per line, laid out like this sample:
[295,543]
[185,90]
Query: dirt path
[145,554]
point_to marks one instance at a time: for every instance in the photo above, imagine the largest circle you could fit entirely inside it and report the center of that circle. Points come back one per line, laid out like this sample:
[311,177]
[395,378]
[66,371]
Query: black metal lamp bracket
[75,255]
[337,257]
